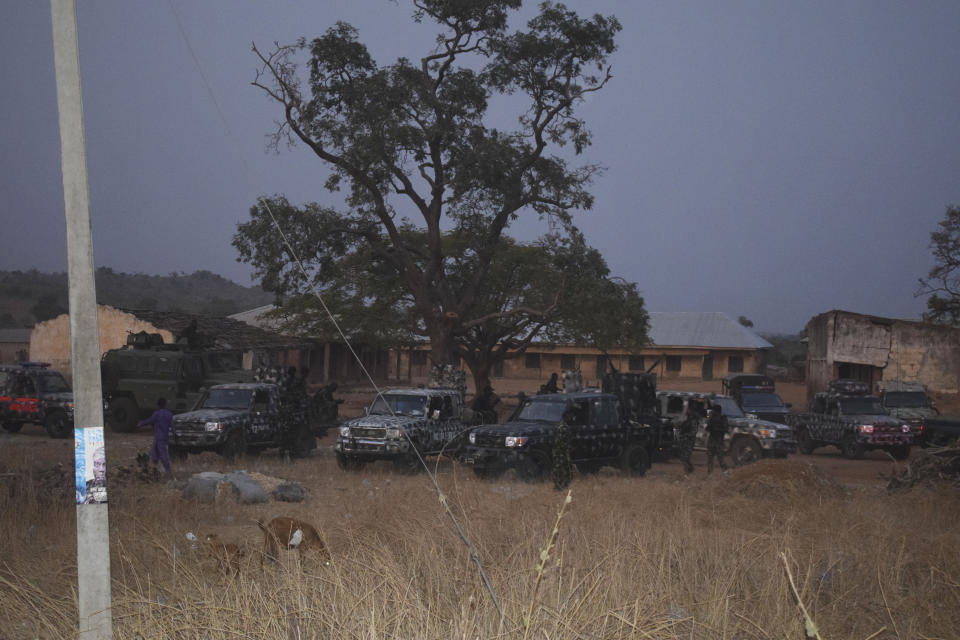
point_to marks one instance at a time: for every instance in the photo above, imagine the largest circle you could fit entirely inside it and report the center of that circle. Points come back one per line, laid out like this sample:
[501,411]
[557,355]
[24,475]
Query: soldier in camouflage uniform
[293,411]
[688,434]
[562,465]
[717,427]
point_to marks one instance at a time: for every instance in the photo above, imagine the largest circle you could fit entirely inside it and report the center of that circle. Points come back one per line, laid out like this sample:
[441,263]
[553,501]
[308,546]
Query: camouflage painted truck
[32,393]
[240,418]
[134,377]
[403,426]
[849,418]
[748,438]
[613,426]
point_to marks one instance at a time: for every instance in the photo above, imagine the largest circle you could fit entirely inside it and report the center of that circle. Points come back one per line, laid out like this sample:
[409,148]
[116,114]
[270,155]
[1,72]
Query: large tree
[430,185]
[942,283]
[556,289]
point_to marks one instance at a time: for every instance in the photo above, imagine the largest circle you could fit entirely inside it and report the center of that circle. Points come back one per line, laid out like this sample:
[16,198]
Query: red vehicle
[32,393]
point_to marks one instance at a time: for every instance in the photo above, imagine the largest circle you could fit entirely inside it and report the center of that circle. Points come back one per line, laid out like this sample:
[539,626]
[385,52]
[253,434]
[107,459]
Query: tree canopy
[942,283]
[432,188]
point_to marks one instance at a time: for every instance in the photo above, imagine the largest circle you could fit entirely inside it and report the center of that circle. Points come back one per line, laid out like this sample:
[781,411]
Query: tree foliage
[942,283]
[432,188]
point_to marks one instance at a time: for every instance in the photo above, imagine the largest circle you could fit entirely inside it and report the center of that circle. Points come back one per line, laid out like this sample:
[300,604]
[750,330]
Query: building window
[673,363]
[568,362]
[418,358]
[636,363]
[532,361]
[735,364]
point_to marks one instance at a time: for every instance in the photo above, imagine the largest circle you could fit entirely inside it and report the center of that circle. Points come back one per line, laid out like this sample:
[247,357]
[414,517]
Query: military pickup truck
[616,425]
[849,418]
[32,393]
[756,396]
[907,401]
[147,369]
[747,440]
[403,426]
[240,418]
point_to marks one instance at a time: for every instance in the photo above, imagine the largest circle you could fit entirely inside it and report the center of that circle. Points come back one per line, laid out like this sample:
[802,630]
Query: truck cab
[907,401]
[756,396]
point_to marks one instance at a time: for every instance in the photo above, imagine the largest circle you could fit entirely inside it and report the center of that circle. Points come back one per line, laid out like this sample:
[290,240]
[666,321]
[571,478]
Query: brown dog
[289,533]
[226,554]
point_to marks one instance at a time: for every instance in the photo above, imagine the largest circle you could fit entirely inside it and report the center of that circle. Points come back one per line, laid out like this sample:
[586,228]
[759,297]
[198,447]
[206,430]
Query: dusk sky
[768,159]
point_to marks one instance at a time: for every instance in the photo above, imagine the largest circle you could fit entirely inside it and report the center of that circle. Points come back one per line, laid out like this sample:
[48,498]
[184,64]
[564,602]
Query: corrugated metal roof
[702,329]
[15,335]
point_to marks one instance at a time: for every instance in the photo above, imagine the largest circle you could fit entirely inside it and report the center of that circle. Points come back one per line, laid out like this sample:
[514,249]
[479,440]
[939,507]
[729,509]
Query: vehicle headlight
[392,433]
[768,433]
[212,426]
[345,432]
[473,438]
[905,428]
[866,428]
[515,441]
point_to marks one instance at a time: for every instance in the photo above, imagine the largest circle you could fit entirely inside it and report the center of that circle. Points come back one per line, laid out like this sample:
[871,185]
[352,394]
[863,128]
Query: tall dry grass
[659,557]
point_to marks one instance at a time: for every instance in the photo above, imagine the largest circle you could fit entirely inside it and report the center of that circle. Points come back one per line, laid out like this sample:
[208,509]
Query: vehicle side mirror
[366,411]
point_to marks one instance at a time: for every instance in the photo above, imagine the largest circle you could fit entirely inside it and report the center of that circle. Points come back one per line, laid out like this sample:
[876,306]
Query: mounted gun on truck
[849,418]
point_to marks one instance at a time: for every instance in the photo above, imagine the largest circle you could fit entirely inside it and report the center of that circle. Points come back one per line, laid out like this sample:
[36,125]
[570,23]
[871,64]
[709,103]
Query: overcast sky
[768,159]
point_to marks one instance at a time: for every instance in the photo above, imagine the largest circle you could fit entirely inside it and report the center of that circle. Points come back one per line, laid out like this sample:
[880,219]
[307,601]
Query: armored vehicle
[32,393]
[756,396]
[402,425]
[147,369]
[848,417]
[238,418]
[907,401]
[615,426]
[748,439]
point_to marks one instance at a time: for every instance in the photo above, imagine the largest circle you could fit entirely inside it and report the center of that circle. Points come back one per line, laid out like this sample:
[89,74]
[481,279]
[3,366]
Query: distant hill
[28,297]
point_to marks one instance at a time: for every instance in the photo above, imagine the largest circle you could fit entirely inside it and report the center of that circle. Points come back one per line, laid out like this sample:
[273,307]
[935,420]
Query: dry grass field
[660,557]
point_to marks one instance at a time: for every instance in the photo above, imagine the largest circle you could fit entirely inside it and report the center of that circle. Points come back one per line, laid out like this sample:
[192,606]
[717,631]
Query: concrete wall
[893,349]
[50,340]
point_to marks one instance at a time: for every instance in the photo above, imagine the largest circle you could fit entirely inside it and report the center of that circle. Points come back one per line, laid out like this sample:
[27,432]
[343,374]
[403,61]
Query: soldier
[551,386]
[484,405]
[292,415]
[716,429]
[688,434]
[562,465]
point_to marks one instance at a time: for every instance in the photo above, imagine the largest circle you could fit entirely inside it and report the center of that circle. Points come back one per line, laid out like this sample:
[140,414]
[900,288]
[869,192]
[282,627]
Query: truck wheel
[850,448]
[804,442]
[901,452]
[587,468]
[349,463]
[305,443]
[57,425]
[744,451]
[534,465]
[407,463]
[123,415]
[12,427]
[234,447]
[635,459]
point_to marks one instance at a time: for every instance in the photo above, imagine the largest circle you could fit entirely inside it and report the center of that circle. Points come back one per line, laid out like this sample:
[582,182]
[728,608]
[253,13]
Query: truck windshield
[52,383]
[762,400]
[227,399]
[729,407]
[542,411]
[861,406]
[401,405]
[905,399]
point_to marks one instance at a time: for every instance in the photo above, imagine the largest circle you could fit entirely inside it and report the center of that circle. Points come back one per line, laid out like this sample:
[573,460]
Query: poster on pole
[91,465]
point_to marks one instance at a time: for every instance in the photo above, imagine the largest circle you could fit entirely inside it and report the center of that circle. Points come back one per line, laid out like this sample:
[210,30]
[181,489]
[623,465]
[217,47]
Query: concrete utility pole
[93,531]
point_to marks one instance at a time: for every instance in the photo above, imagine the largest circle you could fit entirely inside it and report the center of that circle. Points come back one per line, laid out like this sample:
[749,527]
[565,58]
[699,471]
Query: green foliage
[432,188]
[943,281]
